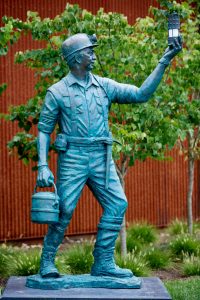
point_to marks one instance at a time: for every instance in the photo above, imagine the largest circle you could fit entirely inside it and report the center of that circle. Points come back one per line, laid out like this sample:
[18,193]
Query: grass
[135,262]
[143,233]
[20,262]
[184,289]
[191,265]
[185,244]
[157,259]
[79,258]
[148,252]
[132,244]
[177,227]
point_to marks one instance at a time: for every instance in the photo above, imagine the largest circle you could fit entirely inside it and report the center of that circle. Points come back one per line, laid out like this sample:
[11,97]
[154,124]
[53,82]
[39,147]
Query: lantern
[173,27]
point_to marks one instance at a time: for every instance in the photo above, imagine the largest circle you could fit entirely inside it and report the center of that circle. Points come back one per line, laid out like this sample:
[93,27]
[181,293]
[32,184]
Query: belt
[63,140]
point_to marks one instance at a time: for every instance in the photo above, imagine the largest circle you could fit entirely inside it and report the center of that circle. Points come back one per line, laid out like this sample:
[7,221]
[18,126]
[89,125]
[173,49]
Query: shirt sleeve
[49,114]
[121,93]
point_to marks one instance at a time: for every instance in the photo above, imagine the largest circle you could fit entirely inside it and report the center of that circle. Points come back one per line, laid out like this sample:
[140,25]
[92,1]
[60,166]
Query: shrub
[178,227]
[144,233]
[135,262]
[79,258]
[185,244]
[157,259]
[132,245]
[6,253]
[191,265]
[23,263]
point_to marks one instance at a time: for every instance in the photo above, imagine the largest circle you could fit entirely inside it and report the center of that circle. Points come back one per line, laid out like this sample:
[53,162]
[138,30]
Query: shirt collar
[72,80]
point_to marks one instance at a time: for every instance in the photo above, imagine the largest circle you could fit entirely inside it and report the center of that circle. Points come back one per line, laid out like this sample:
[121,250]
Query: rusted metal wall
[156,191]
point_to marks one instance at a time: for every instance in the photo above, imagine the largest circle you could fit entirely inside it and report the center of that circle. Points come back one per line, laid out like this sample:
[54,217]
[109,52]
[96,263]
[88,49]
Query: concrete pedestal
[151,288]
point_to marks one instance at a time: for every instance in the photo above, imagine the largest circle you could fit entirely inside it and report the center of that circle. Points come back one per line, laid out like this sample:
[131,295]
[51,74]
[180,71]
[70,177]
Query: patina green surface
[83,281]
[80,104]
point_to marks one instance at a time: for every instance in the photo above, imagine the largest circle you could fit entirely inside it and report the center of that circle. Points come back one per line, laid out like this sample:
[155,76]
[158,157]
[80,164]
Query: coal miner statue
[79,104]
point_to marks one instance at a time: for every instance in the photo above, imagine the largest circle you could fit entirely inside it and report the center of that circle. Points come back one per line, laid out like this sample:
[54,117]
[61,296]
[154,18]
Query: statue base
[151,288]
[82,281]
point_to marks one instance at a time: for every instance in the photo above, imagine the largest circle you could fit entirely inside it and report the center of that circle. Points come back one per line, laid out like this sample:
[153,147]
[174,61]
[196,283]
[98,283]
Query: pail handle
[56,194]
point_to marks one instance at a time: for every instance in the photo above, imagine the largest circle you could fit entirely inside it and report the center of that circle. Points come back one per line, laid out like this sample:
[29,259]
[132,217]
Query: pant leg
[72,175]
[114,204]
[112,200]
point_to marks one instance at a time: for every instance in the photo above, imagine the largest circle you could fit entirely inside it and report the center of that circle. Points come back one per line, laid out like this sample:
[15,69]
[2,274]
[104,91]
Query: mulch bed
[168,274]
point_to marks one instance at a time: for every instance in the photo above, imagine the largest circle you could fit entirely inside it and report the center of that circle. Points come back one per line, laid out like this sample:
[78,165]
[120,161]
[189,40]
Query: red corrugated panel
[156,191]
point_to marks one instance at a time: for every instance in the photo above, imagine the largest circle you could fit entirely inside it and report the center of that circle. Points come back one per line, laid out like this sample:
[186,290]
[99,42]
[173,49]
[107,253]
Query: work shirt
[81,110]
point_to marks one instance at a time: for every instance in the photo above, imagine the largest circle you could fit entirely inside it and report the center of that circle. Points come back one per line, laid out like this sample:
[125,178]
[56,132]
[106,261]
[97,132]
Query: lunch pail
[45,207]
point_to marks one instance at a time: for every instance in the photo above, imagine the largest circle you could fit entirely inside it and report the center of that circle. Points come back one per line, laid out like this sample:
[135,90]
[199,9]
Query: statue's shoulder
[101,80]
[59,88]
[106,83]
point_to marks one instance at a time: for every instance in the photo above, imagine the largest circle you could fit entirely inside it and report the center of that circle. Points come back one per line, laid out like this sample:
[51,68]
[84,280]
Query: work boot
[108,267]
[104,263]
[52,241]
[47,266]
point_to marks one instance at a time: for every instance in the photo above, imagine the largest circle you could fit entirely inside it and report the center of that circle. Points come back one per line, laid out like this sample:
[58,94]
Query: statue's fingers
[39,183]
[180,39]
[51,178]
[44,181]
[176,44]
[50,182]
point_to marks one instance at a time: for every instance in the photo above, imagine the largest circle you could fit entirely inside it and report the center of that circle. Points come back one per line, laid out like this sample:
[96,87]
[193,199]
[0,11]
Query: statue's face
[87,58]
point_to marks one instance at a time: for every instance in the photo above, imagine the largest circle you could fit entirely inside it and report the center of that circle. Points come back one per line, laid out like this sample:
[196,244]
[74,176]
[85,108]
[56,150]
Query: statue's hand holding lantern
[174,39]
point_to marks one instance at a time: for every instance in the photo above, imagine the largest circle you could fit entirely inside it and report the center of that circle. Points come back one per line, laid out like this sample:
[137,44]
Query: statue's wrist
[42,164]
[164,61]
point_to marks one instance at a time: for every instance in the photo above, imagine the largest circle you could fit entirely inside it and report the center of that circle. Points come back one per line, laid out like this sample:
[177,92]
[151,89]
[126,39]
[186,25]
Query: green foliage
[127,54]
[3,86]
[191,265]
[143,130]
[5,251]
[131,244]
[184,289]
[79,258]
[157,258]
[20,262]
[185,244]
[177,227]
[143,233]
[25,145]
[135,262]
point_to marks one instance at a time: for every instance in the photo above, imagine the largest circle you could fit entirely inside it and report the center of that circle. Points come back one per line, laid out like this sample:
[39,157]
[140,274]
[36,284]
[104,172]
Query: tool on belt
[62,141]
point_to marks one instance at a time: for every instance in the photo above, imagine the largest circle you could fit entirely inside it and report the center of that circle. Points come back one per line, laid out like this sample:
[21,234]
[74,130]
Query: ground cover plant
[78,258]
[184,289]
[172,116]
[177,227]
[152,252]
[185,244]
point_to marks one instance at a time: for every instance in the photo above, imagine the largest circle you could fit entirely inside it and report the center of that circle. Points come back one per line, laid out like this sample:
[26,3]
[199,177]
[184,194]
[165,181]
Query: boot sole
[111,275]
[51,275]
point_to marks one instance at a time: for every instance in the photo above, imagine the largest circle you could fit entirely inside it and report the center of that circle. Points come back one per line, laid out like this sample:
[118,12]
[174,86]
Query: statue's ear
[78,57]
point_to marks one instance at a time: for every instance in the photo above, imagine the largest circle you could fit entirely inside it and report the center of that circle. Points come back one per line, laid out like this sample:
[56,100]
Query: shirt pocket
[99,105]
[67,105]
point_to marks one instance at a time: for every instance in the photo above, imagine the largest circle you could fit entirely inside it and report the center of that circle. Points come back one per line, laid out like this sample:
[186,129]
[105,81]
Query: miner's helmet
[77,42]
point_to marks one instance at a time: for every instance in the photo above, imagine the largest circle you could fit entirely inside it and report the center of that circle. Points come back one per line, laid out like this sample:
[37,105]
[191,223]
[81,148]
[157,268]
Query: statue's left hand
[173,50]
[45,177]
